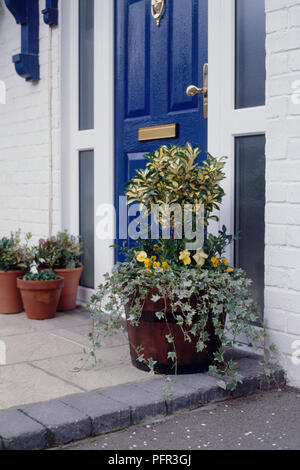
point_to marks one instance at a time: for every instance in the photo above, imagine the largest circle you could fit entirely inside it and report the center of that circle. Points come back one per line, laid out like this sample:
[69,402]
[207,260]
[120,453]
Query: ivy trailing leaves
[179,276]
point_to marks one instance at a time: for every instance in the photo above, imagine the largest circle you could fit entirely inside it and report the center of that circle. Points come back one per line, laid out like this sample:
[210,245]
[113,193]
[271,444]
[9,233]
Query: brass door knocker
[157,9]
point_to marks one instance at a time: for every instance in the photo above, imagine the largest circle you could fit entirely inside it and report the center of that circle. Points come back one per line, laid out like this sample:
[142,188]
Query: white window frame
[224,121]
[101,138]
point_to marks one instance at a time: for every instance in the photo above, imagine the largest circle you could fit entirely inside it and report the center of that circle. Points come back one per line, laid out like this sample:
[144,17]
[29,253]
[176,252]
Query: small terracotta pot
[10,298]
[40,298]
[69,292]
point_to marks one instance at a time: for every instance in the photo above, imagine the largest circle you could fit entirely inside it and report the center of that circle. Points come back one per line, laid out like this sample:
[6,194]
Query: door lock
[193,90]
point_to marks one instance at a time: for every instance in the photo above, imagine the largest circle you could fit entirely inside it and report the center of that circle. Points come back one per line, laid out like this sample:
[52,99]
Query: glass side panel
[250,55]
[86,215]
[250,210]
[86,64]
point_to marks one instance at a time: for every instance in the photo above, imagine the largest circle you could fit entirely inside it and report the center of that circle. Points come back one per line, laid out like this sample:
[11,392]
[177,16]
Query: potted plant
[183,307]
[63,255]
[12,265]
[40,291]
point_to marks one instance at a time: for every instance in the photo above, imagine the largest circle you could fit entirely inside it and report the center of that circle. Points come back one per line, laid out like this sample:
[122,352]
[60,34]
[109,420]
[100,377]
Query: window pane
[86,215]
[250,210]
[250,67]
[86,64]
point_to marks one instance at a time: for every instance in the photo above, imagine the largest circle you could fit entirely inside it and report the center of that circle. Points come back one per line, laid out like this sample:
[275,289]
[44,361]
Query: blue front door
[153,68]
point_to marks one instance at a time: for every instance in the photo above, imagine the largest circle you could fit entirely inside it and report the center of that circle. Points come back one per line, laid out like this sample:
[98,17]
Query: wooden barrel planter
[151,335]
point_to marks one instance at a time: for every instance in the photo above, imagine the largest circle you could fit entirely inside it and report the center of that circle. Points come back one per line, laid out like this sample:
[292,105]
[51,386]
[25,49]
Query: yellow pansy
[148,263]
[225,261]
[200,257]
[156,264]
[185,257]
[141,256]
[155,247]
[229,270]
[165,265]
[215,262]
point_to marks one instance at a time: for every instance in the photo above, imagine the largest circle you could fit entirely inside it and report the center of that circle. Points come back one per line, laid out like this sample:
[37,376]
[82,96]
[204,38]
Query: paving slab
[22,384]
[115,369]
[64,423]
[33,346]
[11,325]
[107,415]
[80,334]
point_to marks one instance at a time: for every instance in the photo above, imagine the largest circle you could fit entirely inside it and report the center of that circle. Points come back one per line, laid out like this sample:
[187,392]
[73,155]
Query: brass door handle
[193,90]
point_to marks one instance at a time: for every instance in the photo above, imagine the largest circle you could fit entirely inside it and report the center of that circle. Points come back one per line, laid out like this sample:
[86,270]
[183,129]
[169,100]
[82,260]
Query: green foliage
[216,291]
[216,245]
[61,252]
[41,276]
[173,177]
[14,255]
[177,275]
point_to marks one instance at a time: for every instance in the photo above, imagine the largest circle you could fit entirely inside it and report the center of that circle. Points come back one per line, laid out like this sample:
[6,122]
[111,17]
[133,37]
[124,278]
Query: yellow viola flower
[156,264]
[155,247]
[141,256]
[200,257]
[215,262]
[148,263]
[185,257]
[229,270]
[165,265]
[184,254]
[225,261]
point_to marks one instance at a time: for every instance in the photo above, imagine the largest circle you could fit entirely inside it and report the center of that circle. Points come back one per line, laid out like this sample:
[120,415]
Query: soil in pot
[10,298]
[151,335]
[40,298]
[69,292]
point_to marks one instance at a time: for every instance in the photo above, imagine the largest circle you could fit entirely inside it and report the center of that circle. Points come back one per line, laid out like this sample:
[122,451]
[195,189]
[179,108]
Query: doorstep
[79,416]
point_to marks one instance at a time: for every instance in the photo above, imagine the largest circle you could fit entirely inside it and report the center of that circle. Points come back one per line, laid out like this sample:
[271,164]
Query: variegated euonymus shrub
[172,176]
[178,274]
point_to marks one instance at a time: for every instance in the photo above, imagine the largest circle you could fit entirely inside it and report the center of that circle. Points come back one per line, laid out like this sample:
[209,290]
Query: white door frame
[224,121]
[101,138]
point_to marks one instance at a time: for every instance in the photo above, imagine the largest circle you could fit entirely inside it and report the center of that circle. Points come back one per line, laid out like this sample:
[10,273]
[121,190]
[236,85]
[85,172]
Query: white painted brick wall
[282,294]
[25,134]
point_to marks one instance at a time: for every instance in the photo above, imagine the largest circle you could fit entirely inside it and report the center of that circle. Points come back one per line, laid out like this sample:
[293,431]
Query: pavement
[45,359]
[262,421]
[50,395]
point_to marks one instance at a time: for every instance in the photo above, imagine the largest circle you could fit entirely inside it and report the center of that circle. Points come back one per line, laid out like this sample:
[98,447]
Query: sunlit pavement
[45,359]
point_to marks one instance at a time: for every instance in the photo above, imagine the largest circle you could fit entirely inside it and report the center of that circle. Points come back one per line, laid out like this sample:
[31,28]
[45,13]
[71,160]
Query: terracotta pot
[69,292]
[10,298]
[40,298]
[151,335]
